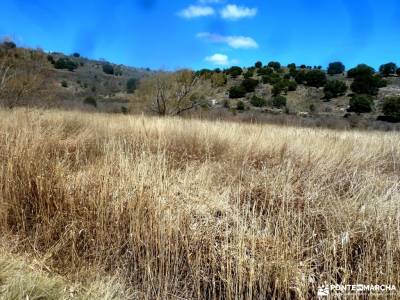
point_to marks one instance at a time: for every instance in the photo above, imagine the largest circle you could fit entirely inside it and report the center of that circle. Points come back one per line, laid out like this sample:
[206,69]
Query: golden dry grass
[185,209]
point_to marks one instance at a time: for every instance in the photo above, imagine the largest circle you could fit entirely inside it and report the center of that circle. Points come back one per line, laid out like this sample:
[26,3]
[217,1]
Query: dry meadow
[97,206]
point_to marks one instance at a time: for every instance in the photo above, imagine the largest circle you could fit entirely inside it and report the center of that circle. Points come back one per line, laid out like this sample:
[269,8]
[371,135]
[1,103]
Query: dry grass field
[96,206]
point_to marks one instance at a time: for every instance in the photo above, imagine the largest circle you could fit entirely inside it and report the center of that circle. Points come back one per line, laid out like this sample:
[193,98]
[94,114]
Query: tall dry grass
[184,209]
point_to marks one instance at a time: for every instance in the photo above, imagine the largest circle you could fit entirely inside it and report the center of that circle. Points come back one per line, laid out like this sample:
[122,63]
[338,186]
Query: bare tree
[172,93]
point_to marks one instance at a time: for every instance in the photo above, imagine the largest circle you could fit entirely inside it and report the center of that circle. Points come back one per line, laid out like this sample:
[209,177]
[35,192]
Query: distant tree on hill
[274,65]
[108,69]
[334,88]
[76,54]
[265,71]
[250,84]
[315,78]
[361,104]
[65,63]
[291,66]
[398,72]
[249,73]
[258,64]
[336,68]
[367,84]
[391,108]
[300,76]
[257,101]
[235,71]
[279,87]
[360,70]
[237,92]
[131,85]
[279,101]
[271,78]
[388,69]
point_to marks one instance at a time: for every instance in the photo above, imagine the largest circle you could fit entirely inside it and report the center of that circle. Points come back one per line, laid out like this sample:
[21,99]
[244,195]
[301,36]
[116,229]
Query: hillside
[262,93]
[173,208]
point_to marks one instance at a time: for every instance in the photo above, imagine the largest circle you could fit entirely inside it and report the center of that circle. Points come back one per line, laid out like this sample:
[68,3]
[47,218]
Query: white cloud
[236,42]
[218,59]
[195,11]
[234,12]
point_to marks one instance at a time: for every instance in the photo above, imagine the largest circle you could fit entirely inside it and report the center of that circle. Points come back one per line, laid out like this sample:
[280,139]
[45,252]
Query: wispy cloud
[234,12]
[236,42]
[218,59]
[195,11]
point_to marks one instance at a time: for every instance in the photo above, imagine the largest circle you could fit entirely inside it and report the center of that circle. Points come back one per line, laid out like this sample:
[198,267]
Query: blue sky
[209,33]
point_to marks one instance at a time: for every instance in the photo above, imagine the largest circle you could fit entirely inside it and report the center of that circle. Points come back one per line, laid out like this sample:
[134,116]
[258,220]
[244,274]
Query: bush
[274,65]
[257,101]
[9,45]
[361,70]
[279,87]
[291,85]
[249,74]
[367,84]
[279,101]
[65,63]
[237,92]
[235,71]
[291,66]
[391,108]
[204,73]
[336,68]
[398,71]
[250,84]
[388,69]
[131,85]
[240,105]
[76,54]
[265,71]
[300,77]
[258,64]
[50,59]
[271,79]
[361,104]
[334,88]
[64,83]
[315,78]
[108,69]
[90,101]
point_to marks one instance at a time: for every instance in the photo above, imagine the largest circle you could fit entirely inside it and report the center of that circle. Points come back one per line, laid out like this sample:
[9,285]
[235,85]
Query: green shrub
[398,71]
[131,85]
[272,78]
[300,77]
[258,64]
[265,71]
[235,71]
[257,101]
[361,104]
[249,74]
[108,69]
[65,63]
[291,85]
[237,92]
[334,88]
[274,65]
[90,101]
[391,108]
[315,78]
[250,84]
[336,68]
[51,60]
[240,105]
[388,69]
[361,70]
[279,101]
[291,66]
[64,84]
[367,84]
[76,54]
[279,87]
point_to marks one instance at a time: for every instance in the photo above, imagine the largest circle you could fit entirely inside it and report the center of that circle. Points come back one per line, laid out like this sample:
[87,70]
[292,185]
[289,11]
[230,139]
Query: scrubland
[96,206]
